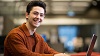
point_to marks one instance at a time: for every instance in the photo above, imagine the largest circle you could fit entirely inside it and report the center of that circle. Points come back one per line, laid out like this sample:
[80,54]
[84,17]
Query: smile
[36,20]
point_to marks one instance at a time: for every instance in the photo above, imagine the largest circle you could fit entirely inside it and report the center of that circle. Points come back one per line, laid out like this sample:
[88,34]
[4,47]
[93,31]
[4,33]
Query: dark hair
[35,3]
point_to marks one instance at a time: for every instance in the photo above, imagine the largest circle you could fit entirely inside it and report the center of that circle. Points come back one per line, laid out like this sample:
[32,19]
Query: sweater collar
[25,29]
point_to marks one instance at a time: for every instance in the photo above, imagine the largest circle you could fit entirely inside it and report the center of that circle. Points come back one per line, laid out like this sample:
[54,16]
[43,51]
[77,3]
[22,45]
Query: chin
[36,26]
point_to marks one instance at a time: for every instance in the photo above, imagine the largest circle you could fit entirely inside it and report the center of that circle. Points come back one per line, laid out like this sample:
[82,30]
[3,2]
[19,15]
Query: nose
[38,16]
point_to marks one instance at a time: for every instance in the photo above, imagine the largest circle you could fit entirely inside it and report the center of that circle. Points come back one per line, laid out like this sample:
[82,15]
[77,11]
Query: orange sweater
[19,43]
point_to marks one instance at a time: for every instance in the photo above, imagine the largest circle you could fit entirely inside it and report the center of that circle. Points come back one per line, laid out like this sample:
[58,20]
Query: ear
[26,14]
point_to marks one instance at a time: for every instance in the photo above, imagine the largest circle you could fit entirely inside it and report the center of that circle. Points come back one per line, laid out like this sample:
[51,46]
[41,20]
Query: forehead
[38,9]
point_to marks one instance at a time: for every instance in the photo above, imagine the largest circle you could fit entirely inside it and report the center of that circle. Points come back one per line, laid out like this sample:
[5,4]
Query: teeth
[36,20]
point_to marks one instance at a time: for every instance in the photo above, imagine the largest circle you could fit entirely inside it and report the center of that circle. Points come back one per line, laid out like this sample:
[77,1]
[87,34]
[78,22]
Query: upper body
[19,41]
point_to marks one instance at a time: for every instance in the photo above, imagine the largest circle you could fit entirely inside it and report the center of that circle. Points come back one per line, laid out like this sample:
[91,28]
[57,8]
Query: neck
[30,28]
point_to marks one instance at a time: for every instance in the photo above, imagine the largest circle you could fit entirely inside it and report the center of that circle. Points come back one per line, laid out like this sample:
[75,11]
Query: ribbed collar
[25,29]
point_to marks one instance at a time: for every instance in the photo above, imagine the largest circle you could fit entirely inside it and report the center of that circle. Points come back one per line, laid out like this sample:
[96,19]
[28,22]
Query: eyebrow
[38,12]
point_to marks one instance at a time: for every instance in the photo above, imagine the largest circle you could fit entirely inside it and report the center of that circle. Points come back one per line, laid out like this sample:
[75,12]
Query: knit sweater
[19,43]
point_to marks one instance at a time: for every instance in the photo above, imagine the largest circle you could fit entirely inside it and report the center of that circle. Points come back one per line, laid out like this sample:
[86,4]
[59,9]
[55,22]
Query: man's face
[35,17]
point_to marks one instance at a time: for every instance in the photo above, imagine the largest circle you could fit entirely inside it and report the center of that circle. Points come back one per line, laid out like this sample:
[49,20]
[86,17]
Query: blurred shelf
[62,21]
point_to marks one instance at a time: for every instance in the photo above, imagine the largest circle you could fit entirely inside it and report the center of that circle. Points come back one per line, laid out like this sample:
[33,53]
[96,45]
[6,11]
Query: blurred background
[67,27]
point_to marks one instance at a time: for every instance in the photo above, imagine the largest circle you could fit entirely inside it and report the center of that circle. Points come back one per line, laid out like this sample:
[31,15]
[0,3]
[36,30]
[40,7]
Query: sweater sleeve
[49,49]
[15,45]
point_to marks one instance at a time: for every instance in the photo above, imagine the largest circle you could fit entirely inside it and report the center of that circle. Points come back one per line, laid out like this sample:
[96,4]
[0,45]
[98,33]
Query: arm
[52,51]
[49,50]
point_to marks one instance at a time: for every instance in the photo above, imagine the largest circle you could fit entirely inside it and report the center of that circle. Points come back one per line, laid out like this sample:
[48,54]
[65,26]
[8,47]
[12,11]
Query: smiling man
[23,40]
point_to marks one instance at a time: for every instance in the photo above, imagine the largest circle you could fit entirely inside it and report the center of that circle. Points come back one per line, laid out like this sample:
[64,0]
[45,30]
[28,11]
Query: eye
[42,15]
[35,13]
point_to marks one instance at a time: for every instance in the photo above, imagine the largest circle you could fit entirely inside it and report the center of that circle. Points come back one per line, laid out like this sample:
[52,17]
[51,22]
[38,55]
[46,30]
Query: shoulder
[15,33]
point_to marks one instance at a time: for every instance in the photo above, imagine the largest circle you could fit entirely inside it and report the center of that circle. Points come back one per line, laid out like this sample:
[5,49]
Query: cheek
[32,16]
[41,19]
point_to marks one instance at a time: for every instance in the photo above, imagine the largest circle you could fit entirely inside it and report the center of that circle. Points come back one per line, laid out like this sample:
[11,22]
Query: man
[23,40]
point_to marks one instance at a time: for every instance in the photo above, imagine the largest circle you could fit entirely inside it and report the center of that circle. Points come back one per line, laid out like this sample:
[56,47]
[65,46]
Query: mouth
[36,20]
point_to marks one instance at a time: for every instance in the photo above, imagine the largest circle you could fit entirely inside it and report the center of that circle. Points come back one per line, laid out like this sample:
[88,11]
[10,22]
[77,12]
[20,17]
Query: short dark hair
[35,3]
